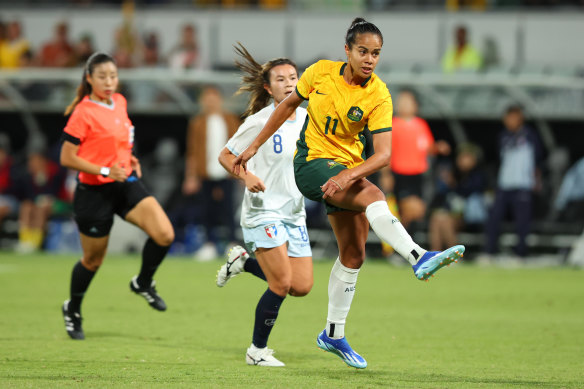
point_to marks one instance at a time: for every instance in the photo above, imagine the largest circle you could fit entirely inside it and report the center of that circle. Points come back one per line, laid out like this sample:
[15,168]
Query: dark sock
[265,317]
[80,279]
[252,266]
[152,256]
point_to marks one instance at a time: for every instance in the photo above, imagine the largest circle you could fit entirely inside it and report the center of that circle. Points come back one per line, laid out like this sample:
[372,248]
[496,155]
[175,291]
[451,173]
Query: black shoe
[149,294]
[72,323]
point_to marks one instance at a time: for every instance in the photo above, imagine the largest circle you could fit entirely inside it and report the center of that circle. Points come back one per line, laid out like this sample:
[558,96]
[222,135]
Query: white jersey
[273,164]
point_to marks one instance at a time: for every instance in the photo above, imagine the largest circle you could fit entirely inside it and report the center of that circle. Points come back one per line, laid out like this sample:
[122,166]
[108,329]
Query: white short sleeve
[245,134]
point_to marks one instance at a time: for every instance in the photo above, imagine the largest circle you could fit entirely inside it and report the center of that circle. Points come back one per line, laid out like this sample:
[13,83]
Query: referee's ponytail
[255,78]
[84,87]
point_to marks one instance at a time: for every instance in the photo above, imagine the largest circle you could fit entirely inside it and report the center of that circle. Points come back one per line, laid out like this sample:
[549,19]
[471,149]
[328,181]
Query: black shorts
[94,206]
[406,186]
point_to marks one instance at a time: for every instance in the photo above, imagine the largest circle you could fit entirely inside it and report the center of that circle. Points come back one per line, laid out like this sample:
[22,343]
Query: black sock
[252,266]
[265,317]
[80,279]
[152,256]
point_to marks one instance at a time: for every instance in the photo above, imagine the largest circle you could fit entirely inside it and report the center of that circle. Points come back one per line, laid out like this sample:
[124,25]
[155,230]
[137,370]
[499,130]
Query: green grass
[468,327]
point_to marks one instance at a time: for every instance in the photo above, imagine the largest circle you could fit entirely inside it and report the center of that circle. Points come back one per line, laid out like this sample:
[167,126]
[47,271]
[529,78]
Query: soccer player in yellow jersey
[344,99]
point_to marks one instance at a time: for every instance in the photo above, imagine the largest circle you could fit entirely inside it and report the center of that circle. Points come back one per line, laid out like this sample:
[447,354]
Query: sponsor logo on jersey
[319,92]
[355,114]
[350,289]
[271,230]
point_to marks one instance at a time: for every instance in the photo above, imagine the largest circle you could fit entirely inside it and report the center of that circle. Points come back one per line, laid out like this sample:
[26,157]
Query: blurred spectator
[8,201]
[58,53]
[207,134]
[127,47]
[151,53]
[185,55]
[455,5]
[42,185]
[462,56]
[27,59]
[2,32]
[491,57]
[412,143]
[272,4]
[460,198]
[521,152]
[127,44]
[145,93]
[13,47]
[569,203]
[84,48]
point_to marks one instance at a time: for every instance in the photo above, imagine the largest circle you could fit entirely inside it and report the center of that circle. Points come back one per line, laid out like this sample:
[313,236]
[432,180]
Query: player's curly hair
[361,26]
[255,78]
[84,87]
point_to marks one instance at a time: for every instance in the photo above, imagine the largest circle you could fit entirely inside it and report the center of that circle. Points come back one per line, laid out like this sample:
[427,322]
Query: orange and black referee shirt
[104,133]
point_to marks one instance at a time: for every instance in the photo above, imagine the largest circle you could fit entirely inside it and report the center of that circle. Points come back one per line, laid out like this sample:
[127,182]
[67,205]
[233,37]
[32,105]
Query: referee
[98,142]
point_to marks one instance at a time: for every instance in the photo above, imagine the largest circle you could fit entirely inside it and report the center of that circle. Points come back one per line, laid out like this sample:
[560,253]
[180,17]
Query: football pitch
[468,327]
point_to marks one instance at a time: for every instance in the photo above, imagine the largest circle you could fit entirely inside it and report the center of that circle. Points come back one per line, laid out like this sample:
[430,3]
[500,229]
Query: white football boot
[262,357]
[233,266]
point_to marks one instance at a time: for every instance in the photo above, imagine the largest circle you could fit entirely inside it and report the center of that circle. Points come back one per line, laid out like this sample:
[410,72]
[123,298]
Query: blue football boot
[433,261]
[341,348]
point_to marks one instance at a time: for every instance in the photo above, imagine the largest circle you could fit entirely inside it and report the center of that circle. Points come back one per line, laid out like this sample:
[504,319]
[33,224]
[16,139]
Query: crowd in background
[130,49]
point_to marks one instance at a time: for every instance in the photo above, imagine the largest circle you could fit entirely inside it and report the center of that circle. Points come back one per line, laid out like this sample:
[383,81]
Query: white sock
[341,290]
[389,229]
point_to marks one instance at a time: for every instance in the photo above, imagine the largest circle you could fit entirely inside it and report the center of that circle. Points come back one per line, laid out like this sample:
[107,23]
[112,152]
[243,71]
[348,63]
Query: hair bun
[358,20]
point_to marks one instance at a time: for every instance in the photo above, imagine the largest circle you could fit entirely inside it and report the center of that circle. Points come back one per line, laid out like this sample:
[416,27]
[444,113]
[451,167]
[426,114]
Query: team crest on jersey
[271,230]
[332,164]
[355,114]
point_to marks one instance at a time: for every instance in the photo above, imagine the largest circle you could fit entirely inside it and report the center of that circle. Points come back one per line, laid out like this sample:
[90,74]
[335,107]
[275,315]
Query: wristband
[104,171]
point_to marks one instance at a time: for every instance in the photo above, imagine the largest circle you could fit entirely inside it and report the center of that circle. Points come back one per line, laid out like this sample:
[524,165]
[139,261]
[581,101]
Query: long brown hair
[84,88]
[255,77]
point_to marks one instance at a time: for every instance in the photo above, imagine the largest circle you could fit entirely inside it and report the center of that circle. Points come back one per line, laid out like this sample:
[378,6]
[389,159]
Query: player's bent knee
[353,259]
[92,263]
[301,290]
[281,287]
[164,238]
[374,193]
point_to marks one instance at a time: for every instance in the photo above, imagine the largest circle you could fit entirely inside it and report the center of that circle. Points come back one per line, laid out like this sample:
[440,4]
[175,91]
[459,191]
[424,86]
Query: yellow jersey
[339,112]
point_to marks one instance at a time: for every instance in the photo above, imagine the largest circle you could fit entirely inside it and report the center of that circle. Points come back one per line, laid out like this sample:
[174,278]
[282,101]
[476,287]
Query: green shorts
[311,175]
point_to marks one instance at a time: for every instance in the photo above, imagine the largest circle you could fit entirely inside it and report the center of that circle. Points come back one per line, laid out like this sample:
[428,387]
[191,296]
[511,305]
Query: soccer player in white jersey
[273,218]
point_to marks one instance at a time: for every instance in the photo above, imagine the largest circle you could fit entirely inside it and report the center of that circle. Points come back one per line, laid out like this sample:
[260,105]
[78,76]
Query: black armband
[70,138]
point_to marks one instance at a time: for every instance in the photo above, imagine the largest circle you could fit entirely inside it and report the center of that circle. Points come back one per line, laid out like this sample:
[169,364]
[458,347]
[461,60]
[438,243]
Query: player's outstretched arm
[278,117]
[252,182]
